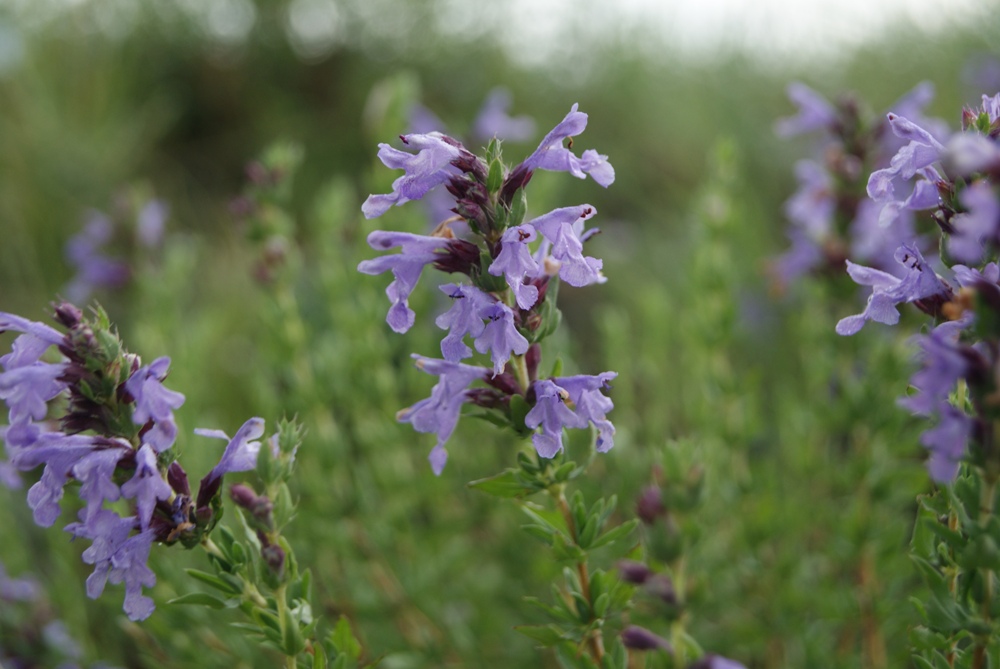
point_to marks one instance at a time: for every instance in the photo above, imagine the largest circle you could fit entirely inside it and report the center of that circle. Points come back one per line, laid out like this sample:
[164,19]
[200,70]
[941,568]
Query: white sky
[772,29]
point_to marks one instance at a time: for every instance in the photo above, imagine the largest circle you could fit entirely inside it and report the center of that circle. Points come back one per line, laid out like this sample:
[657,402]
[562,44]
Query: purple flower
[552,155]
[18,589]
[551,413]
[28,389]
[424,170]
[919,282]
[914,159]
[151,222]
[500,337]
[95,471]
[29,347]
[976,229]
[439,412]
[875,241]
[154,403]
[812,206]
[417,252]
[464,318]
[516,263]
[146,486]
[59,453]
[943,365]
[712,661]
[118,557]
[494,121]
[93,269]
[563,232]
[591,405]
[814,112]
[241,453]
[946,442]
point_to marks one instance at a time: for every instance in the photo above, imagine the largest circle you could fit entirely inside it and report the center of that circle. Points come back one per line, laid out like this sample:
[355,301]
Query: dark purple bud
[486,398]
[650,505]
[532,359]
[506,383]
[470,164]
[243,495]
[640,638]
[274,558]
[68,315]
[178,479]
[634,572]
[203,515]
[460,257]
[519,178]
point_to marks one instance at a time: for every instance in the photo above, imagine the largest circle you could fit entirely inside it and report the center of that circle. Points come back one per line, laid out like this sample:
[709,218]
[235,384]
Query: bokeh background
[810,474]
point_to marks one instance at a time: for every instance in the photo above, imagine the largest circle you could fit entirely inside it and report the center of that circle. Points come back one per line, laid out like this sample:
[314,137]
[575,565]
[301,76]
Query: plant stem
[594,639]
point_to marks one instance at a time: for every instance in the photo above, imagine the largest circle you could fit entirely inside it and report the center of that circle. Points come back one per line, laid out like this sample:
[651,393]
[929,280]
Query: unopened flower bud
[640,638]
[274,558]
[634,572]
[650,505]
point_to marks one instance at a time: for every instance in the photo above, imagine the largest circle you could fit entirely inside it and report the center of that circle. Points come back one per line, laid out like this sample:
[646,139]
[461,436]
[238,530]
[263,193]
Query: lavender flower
[464,318]
[591,405]
[500,337]
[153,404]
[712,661]
[439,412]
[146,486]
[516,263]
[240,456]
[494,121]
[975,229]
[814,112]
[919,282]
[552,415]
[417,252]
[93,269]
[552,155]
[424,170]
[563,229]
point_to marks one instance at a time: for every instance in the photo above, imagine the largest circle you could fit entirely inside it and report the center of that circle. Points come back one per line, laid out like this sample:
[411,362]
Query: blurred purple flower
[814,112]
[93,269]
[151,223]
[976,229]
[494,121]
[640,638]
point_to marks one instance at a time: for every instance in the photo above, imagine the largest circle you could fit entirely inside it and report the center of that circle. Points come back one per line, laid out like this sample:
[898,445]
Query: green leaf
[494,179]
[601,605]
[202,599]
[518,208]
[284,507]
[519,408]
[225,583]
[545,517]
[543,534]
[547,635]
[319,657]
[343,639]
[291,640]
[615,533]
[505,484]
[587,534]
[559,612]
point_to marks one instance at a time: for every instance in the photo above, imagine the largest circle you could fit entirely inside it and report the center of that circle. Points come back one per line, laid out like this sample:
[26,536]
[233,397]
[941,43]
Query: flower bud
[634,572]
[650,505]
[640,638]
[274,558]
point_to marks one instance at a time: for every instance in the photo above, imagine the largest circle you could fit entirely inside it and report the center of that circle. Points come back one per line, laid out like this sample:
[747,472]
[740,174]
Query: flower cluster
[111,441]
[831,217]
[956,178]
[512,267]
[85,251]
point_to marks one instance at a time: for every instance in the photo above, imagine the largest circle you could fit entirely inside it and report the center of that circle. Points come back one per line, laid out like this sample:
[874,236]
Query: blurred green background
[810,472]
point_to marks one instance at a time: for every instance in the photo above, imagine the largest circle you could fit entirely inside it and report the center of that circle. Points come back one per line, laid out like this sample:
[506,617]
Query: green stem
[986,509]
[595,641]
